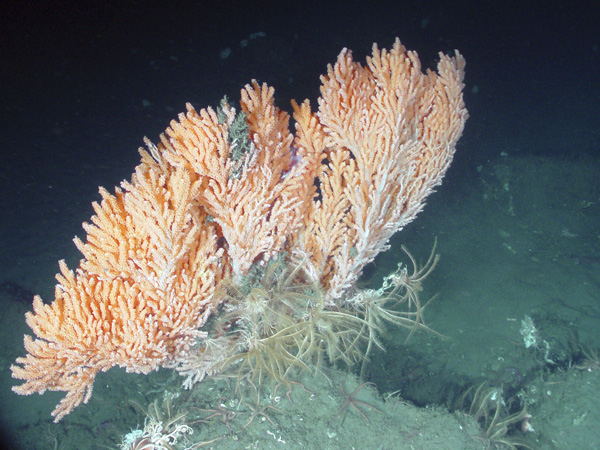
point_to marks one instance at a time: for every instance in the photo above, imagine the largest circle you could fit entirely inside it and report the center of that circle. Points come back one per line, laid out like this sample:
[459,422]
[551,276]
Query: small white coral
[529,332]
[131,440]
[154,436]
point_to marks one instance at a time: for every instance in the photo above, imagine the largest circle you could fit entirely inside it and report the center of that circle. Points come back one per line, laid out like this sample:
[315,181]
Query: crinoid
[408,285]
[496,423]
[162,427]
[280,323]
[402,288]
[396,303]
[276,323]
[590,359]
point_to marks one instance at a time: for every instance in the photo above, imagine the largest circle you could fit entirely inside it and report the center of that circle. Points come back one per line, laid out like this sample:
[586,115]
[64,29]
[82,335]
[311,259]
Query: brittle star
[351,401]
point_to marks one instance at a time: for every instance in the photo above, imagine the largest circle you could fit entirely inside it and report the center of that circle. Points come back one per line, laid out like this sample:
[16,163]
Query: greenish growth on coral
[238,137]
[223,105]
[256,273]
